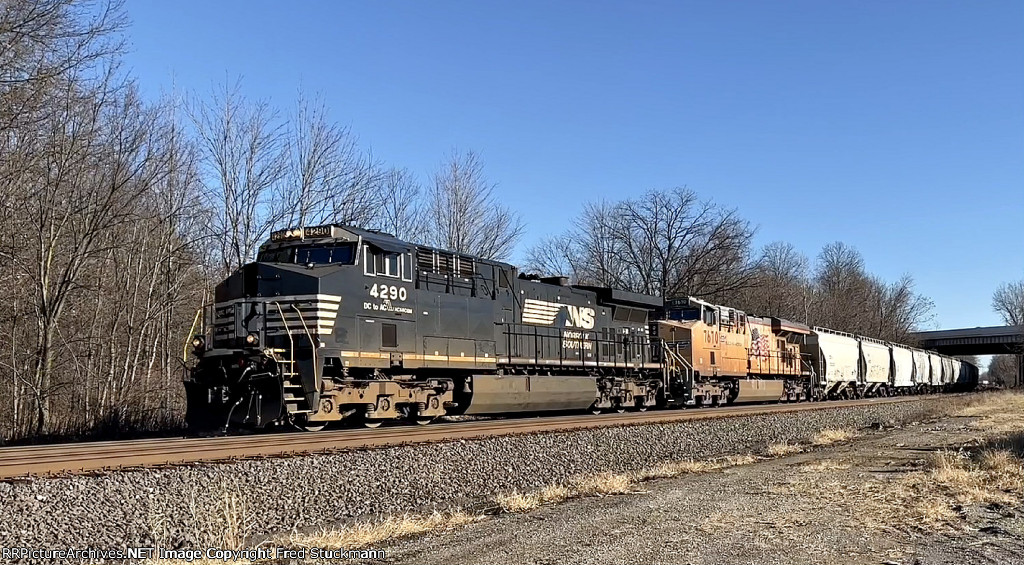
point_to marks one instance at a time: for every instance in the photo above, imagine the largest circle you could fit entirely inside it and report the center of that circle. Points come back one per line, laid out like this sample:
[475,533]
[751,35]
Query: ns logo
[580,317]
[546,313]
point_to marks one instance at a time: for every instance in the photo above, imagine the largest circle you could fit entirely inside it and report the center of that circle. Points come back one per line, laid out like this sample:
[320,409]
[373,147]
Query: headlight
[198,342]
[252,339]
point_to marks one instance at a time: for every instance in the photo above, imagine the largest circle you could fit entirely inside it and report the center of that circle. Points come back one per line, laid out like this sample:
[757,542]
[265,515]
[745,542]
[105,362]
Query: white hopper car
[851,366]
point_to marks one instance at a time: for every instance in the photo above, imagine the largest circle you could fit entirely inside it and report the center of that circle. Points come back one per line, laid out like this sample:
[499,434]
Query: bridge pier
[1019,379]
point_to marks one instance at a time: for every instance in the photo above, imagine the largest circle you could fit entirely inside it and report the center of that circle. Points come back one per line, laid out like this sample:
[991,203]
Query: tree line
[674,244]
[120,214]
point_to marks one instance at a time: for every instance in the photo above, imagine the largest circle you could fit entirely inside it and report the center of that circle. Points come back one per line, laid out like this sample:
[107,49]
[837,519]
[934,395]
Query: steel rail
[110,455]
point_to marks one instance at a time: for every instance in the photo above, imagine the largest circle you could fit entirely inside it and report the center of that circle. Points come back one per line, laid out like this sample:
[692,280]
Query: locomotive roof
[624,296]
[376,238]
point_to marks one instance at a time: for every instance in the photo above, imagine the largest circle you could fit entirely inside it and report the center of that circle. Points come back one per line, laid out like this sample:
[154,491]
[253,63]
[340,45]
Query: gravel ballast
[186,506]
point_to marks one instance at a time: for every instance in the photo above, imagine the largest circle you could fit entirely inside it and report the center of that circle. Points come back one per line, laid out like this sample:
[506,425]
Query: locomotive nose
[245,302]
[266,280]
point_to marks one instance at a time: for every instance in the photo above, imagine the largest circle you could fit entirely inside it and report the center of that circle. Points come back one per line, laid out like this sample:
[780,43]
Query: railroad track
[21,462]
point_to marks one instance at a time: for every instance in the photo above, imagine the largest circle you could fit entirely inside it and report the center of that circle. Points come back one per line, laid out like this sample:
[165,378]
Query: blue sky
[897,127]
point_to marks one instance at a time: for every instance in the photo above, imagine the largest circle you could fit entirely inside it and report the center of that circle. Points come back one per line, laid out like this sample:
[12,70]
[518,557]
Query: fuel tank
[499,394]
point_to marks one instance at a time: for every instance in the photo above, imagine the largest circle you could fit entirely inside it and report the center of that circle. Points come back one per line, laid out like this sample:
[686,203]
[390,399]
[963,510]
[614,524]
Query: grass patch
[782,449]
[676,468]
[954,479]
[604,484]
[365,534]
[829,436]
[995,413]
[516,501]
[221,517]
[939,494]
[825,465]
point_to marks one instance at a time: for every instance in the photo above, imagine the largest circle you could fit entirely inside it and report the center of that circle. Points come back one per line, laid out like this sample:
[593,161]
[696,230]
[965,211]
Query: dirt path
[866,501]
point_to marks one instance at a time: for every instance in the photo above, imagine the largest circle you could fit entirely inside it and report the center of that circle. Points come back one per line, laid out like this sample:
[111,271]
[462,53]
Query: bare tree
[847,298]
[666,242]
[901,310]
[329,178]
[1003,370]
[96,167]
[463,214]
[1008,302]
[245,157]
[780,285]
[556,255]
[42,43]
[400,211]
[841,289]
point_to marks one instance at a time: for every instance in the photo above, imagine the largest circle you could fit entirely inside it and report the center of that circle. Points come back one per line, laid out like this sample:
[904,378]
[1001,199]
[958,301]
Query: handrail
[291,342]
[305,328]
[191,332]
[676,359]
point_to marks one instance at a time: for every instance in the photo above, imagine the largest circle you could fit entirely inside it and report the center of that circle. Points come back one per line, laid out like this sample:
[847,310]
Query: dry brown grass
[226,523]
[936,495]
[552,494]
[782,449]
[825,465]
[830,436]
[953,479]
[603,484]
[366,534]
[996,413]
[516,501]
[927,499]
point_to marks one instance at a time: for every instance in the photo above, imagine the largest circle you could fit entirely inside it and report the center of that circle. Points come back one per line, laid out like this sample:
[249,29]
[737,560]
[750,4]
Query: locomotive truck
[334,323]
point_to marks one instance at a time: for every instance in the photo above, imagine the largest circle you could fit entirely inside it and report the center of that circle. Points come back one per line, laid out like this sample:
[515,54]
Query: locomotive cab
[258,358]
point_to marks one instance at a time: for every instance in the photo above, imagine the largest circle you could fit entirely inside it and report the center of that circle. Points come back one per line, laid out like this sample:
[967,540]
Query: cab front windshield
[686,314]
[336,254]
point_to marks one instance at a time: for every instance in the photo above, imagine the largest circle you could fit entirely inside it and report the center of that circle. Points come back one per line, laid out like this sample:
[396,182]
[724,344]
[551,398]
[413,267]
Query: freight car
[850,366]
[334,323]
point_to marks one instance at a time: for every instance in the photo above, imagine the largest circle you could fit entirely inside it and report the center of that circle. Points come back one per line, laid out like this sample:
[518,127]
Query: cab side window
[387,264]
[381,263]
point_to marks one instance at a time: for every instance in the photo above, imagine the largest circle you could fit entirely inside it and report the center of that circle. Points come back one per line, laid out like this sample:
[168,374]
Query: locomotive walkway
[100,457]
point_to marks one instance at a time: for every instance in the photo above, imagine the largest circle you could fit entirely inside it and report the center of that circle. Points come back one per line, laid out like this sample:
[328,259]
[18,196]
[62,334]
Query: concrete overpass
[992,340]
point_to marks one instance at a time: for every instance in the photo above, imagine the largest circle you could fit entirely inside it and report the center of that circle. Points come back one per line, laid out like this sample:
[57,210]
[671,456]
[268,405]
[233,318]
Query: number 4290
[392,292]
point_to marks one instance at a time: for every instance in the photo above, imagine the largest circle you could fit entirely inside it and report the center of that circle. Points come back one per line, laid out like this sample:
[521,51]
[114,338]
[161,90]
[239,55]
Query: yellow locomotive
[728,356]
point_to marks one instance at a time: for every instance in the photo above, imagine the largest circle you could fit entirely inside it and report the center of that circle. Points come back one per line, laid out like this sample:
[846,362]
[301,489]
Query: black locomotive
[333,322]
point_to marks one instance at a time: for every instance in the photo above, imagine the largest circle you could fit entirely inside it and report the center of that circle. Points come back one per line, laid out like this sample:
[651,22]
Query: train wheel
[423,420]
[307,426]
[372,423]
